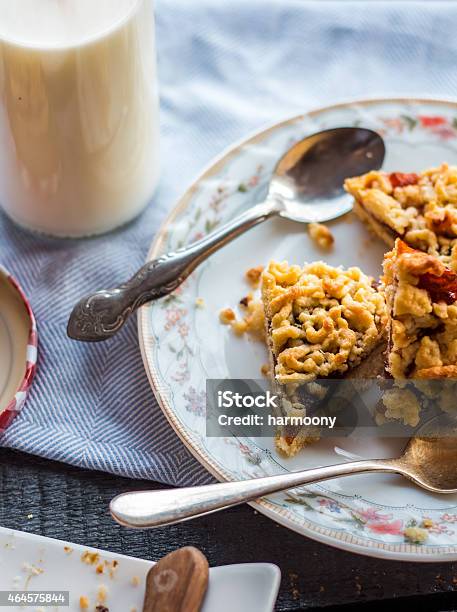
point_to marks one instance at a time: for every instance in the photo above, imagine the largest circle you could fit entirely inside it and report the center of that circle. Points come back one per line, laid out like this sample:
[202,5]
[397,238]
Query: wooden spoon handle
[177,583]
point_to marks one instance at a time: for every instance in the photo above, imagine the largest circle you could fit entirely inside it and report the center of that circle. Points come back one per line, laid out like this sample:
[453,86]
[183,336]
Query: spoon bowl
[308,179]
[430,458]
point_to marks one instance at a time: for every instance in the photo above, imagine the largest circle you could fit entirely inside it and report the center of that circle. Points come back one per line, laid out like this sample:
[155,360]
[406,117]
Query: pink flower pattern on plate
[393,528]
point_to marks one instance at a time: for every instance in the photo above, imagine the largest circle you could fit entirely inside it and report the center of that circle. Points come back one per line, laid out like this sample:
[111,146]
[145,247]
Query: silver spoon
[307,185]
[429,460]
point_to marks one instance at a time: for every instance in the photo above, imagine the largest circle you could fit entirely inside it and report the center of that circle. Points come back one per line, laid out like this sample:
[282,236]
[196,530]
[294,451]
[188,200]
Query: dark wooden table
[71,504]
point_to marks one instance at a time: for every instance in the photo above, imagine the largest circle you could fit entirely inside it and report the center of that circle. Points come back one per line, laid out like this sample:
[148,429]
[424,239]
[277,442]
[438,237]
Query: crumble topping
[321,235]
[227,316]
[289,446]
[419,208]
[90,558]
[253,276]
[265,369]
[252,321]
[102,593]
[420,295]
[400,404]
[321,320]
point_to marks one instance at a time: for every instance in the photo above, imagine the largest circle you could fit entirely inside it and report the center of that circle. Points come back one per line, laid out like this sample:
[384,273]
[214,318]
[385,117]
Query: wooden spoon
[178,582]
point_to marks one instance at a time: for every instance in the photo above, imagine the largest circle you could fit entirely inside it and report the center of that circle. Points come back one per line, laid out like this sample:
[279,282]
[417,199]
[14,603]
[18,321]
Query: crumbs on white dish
[84,602]
[90,558]
[253,275]
[252,320]
[321,235]
[93,558]
[102,593]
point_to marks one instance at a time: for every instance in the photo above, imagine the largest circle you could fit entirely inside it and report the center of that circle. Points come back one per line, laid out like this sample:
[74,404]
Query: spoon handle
[102,314]
[148,509]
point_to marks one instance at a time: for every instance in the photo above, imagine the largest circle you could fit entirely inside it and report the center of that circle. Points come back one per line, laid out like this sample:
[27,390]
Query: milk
[79,120]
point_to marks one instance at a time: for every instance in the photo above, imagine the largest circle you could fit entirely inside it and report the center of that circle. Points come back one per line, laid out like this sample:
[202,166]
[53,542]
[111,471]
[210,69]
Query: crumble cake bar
[419,208]
[320,320]
[421,296]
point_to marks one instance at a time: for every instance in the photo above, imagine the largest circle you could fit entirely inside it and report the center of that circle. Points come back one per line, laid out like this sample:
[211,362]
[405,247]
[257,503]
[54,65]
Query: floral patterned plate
[183,344]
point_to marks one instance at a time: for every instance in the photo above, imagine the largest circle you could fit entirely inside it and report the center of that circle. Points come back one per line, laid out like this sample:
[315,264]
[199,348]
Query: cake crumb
[68,549]
[30,516]
[253,321]
[253,276]
[90,558]
[200,302]
[100,568]
[427,523]
[101,609]
[265,369]
[113,567]
[84,602]
[32,569]
[135,581]
[293,581]
[226,316]
[239,327]
[321,235]
[102,593]
[401,404]
[244,302]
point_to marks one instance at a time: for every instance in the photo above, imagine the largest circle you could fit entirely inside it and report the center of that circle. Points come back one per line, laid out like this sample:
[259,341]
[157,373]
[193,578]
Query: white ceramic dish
[42,564]
[18,348]
[365,514]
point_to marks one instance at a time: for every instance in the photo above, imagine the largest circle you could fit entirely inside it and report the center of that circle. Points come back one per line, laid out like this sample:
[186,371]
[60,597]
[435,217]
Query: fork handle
[100,315]
[149,509]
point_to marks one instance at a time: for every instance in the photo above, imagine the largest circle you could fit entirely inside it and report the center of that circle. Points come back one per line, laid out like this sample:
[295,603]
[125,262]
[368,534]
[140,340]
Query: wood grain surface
[64,502]
[178,582]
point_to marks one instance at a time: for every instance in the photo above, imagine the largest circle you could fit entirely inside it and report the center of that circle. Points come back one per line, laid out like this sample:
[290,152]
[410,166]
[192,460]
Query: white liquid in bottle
[79,122]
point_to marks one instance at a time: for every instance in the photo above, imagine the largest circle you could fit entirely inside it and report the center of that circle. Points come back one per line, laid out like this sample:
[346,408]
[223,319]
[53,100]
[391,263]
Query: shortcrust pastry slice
[421,296]
[421,209]
[321,322]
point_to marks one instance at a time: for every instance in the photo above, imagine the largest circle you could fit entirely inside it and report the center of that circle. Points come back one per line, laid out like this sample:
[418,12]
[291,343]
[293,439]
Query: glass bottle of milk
[79,124]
